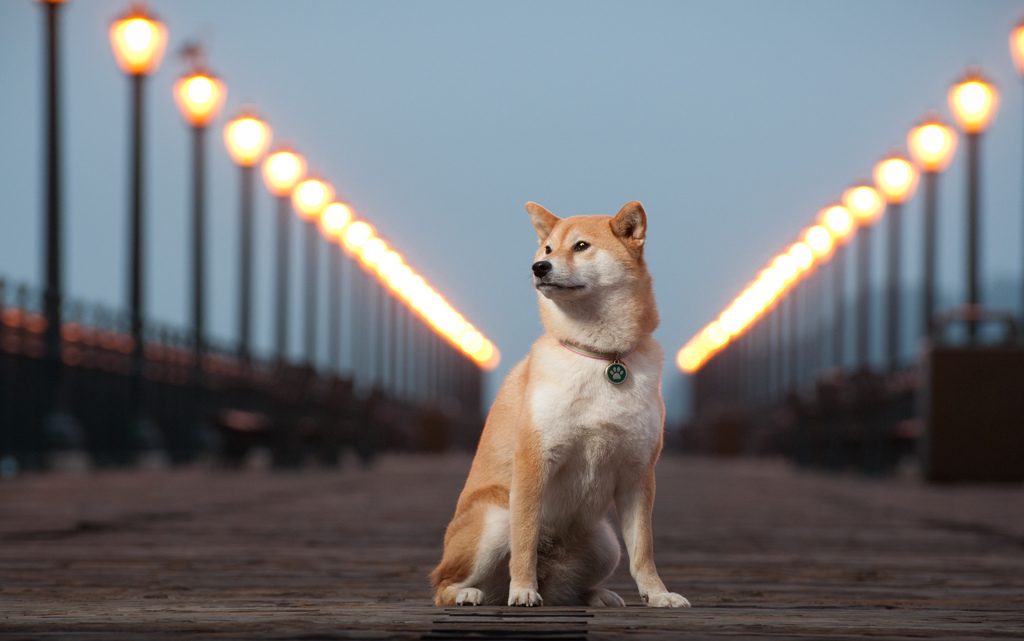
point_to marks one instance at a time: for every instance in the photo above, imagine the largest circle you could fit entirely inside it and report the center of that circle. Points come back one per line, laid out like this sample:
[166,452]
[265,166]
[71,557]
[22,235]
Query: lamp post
[388,266]
[865,204]
[138,41]
[837,223]
[371,253]
[802,257]
[333,221]
[247,138]
[973,101]
[53,293]
[282,170]
[819,239]
[786,267]
[1017,51]
[199,95]
[931,145]
[896,178]
[310,197]
[355,236]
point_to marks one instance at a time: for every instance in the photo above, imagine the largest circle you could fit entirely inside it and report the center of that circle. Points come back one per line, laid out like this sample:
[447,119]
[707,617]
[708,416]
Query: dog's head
[580,256]
[586,263]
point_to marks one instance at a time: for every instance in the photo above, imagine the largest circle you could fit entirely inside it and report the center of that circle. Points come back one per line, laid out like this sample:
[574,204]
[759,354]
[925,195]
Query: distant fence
[225,410]
[863,420]
[957,410]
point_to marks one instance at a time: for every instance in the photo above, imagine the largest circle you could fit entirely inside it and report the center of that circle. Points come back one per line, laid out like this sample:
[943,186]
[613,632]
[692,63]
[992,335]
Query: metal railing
[426,397]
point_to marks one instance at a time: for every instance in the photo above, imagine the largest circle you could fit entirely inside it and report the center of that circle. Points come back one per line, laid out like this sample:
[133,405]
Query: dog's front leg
[524,507]
[634,502]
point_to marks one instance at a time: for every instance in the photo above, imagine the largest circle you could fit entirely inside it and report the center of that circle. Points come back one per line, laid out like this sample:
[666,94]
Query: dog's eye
[580,246]
[547,250]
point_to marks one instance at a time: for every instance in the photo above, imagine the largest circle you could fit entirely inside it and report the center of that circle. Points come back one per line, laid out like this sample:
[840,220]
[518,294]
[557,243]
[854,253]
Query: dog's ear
[630,224]
[543,220]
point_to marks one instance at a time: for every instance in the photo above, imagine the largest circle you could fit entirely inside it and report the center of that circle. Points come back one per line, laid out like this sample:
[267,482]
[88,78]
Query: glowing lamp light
[311,196]
[896,178]
[199,97]
[819,239]
[1017,47]
[247,138]
[802,255]
[389,263]
[773,279]
[932,145]
[973,101]
[837,221]
[689,358]
[357,234]
[334,218]
[730,321]
[744,308]
[373,250]
[282,170]
[864,203]
[414,285]
[399,279]
[446,320]
[716,334]
[472,341]
[785,266]
[138,41]
[762,292]
[488,355]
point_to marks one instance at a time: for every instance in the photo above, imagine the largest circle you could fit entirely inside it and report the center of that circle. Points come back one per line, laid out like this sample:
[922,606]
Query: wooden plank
[759,548]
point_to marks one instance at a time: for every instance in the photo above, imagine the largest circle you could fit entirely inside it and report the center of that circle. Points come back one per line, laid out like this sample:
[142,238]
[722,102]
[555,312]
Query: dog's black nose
[541,267]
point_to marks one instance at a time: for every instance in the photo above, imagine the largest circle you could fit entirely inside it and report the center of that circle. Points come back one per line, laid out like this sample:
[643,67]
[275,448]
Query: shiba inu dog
[576,426]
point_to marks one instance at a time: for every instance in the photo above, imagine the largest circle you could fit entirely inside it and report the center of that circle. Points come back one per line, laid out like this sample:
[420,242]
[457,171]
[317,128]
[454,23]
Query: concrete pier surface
[760,549]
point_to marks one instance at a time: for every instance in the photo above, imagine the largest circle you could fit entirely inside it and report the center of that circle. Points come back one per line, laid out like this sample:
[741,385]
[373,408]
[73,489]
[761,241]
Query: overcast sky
[732,122]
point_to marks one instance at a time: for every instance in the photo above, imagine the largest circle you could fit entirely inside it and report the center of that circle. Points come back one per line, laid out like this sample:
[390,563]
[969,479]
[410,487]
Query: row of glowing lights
[313,198]
[138,42]
[358,238]
[973,101]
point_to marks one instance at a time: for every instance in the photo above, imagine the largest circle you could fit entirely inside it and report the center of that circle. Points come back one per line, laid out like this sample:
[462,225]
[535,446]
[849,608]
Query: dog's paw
[525,597]
[601,598]
[469,596]
[666,600]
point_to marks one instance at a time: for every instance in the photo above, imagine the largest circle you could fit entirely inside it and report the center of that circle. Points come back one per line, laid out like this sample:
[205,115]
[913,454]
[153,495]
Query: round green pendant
[616,372]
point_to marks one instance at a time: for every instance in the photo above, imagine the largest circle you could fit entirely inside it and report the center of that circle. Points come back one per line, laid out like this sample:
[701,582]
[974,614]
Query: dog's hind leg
[475,568]
[568,573]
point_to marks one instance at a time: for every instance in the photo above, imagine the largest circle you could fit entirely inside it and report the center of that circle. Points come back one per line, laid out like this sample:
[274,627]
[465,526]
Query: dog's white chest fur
[591,431]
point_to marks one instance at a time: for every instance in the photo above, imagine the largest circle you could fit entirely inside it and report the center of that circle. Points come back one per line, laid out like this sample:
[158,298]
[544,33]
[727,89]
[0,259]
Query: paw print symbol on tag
[616,372]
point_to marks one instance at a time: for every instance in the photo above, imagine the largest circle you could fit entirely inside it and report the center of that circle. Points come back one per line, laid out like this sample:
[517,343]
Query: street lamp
[931,145]
[837,223]
[138,41]
[819,240]
[310,197]
[282,170]
[247,138]
[1017,51]
[333,220]
[356,235]
[199,95]
[865,204]
[53,293]
[973,101]
[896,178]
[803,258]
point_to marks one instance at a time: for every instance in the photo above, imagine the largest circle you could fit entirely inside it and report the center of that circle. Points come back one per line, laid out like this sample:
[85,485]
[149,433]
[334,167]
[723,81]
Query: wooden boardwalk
[761,550]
